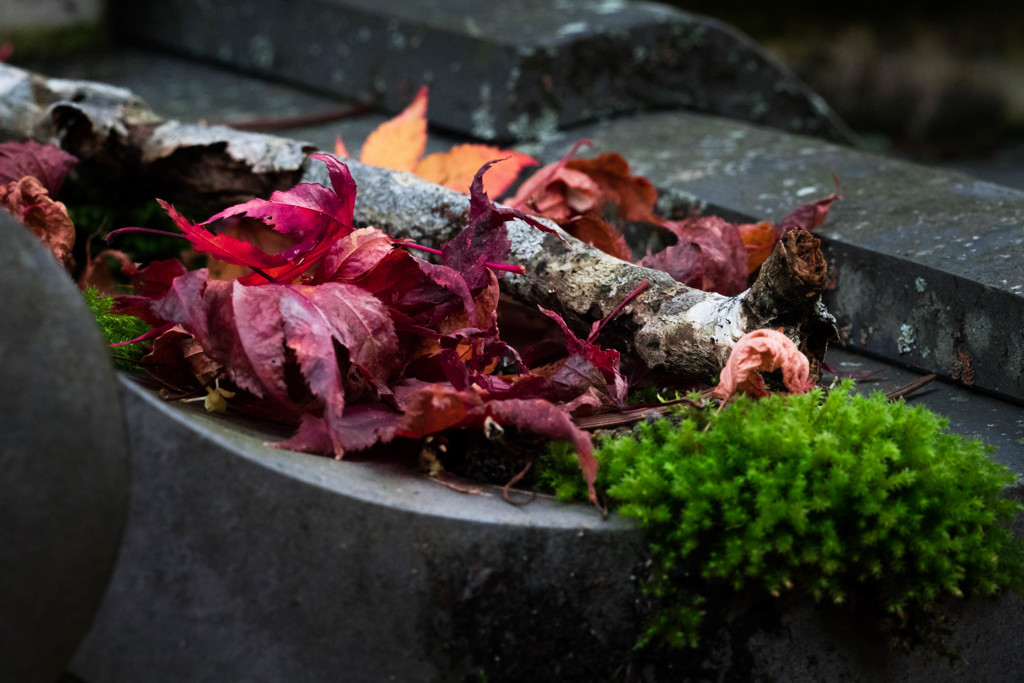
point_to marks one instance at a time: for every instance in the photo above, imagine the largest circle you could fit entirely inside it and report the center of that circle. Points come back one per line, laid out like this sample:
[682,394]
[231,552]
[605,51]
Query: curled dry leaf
[30,203]
[577,194]
[763,350]
[96,273]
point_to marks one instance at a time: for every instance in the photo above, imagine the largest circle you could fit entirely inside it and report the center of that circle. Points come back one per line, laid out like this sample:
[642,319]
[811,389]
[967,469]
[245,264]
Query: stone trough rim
[376,482]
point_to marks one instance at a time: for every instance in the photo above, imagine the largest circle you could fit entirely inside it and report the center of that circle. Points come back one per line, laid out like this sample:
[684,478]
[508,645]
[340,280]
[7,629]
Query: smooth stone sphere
[64,467]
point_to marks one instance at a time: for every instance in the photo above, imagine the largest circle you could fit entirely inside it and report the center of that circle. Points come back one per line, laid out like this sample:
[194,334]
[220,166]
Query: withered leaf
[30,203]
[47,163]
[723,258]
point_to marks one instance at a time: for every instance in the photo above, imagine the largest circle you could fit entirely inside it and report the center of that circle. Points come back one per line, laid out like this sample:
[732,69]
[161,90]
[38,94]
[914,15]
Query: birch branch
[670,327]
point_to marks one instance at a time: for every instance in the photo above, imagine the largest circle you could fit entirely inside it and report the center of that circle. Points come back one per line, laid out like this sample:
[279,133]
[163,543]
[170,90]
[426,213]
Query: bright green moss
[117,329]
[840,497]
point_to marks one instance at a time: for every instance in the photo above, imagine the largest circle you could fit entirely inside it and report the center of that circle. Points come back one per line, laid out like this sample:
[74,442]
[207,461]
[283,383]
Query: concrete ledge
[244,562]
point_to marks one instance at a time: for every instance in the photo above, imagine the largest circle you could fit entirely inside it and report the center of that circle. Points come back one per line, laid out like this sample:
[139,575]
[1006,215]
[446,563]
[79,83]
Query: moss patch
[845,498]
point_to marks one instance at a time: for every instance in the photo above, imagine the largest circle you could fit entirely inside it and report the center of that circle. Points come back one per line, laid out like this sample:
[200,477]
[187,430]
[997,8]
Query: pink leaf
[763,350]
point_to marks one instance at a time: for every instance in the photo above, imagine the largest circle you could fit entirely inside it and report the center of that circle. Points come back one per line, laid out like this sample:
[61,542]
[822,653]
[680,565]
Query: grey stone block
[242,562]
[63,459]
[246,563]
[926,262]
[497,71]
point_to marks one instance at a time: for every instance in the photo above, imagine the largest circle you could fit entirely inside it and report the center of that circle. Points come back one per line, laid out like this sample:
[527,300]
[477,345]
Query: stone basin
[245,562]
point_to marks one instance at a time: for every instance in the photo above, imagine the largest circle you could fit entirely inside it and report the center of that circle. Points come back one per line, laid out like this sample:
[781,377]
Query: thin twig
[909,387]
[618,309]
[270,125]
[629,416]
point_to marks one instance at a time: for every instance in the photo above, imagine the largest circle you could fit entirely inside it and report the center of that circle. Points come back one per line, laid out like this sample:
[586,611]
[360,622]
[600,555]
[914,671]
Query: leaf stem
[150,231]
[507,267]
[618,309]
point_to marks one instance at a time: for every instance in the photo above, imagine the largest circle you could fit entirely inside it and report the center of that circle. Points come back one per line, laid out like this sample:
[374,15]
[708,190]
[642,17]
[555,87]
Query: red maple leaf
[709,255]
[313,216]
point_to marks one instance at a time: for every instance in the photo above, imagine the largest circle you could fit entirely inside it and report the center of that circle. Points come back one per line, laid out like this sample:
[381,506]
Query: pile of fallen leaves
[345,334]
[350,336]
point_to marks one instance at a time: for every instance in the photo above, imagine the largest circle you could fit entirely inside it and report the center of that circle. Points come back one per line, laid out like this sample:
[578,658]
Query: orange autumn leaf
[759,240]
[455,168]
[399,143]
[763,350]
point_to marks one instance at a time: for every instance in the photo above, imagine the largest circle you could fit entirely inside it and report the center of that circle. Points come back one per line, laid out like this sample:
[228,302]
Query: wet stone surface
[498,71]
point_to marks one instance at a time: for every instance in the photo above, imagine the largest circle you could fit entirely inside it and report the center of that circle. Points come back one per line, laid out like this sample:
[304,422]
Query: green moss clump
[842,497]
[117,329]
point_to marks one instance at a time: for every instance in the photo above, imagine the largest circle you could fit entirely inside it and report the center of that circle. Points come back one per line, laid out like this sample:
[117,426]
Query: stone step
[497,71]
[926,262]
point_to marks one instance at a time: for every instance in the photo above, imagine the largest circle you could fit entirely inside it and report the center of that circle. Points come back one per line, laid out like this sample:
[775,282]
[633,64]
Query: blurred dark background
[931,83]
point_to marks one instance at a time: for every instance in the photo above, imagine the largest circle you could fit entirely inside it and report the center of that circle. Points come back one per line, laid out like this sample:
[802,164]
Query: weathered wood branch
[670,326]
[128,153]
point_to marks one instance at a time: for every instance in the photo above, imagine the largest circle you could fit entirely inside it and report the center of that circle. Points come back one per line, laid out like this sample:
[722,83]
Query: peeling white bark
[670,326]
